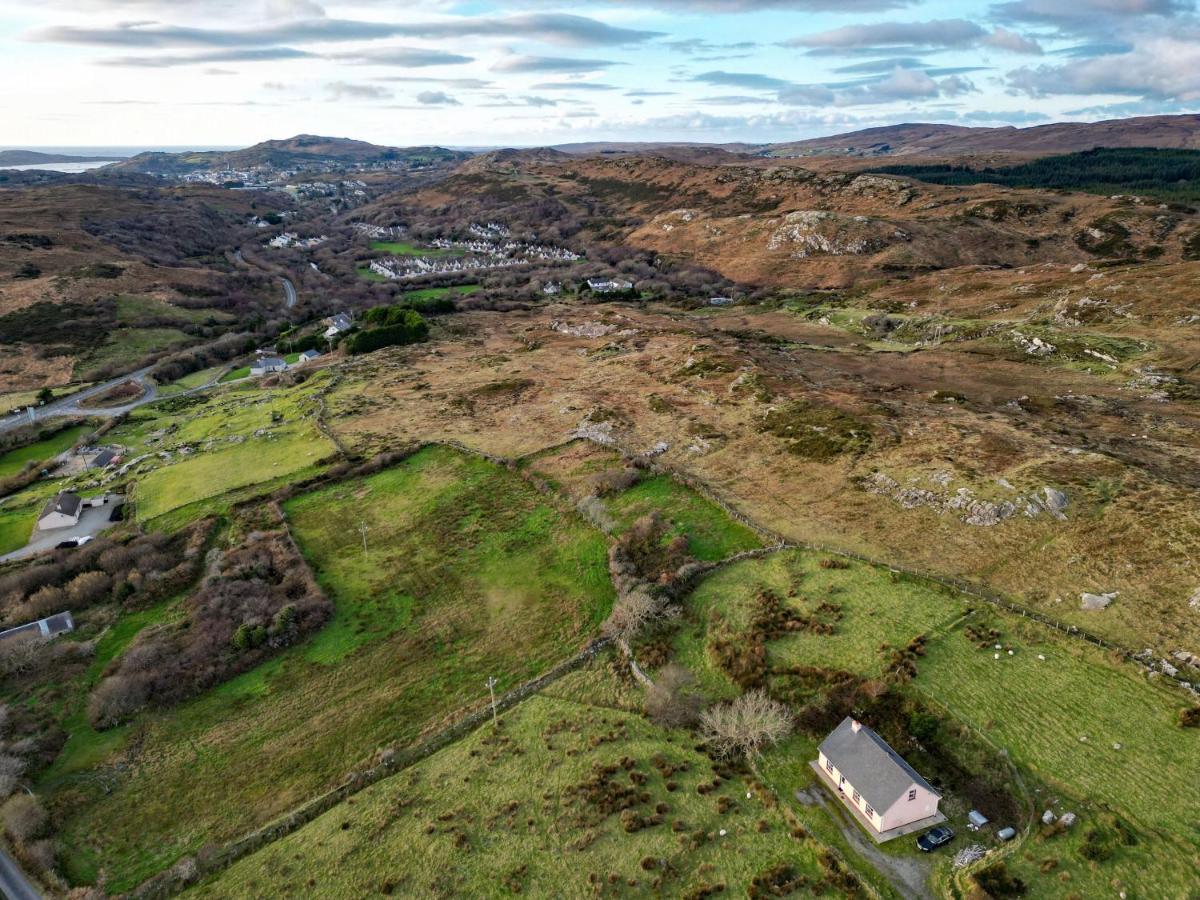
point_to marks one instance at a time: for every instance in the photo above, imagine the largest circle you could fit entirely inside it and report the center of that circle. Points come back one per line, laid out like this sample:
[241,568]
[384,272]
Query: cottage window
[829,766]
[870,812]
[856,796]
[912,795]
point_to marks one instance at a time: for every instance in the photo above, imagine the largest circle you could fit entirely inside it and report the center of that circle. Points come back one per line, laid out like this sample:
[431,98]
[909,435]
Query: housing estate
[887,795]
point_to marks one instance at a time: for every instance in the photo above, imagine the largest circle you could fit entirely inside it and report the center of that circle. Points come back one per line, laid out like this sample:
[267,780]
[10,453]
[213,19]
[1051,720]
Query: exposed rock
[1048,817]
[1068,819]
[1034,346]
[587,329]
[1167,668]
[1096,601]
[811,232]
[1194,600]
[1055,501]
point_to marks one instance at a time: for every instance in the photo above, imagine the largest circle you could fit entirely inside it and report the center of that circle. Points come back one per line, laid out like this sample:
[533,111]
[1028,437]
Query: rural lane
[13,883]
[289,293]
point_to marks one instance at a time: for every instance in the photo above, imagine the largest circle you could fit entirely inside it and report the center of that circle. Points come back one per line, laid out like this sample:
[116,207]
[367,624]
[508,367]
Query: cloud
[521,65]
[1003,117]
[293,9]
[640,92]
[573,86]
[553,28]
[215,70]
[698,45]
[471,84]
[732,100]
[436,98]
[751,80]
[882,65]
[902,84]
[748,6]
[255,54]
[1003,39]
[1088,16]
[1160,68]
[406,57]
[343,90]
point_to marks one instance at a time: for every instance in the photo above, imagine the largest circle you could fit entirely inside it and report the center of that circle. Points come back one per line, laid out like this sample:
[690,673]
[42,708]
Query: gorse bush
[397,326]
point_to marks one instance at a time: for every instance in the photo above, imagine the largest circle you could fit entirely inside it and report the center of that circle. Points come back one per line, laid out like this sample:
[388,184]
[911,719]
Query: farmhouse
[61,512]
[886,795]
[268,364]
[308,356]
[337,324]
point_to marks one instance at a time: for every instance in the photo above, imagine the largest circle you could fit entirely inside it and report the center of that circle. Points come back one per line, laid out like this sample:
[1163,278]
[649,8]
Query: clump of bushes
[393,326]
[997,881]
[817,432]
[261,599]
[1190,717]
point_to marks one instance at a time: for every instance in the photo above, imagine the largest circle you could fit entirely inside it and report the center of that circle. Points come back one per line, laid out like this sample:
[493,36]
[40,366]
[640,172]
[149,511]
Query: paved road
[289,293]
[13,883]
[71,406]
[93,520]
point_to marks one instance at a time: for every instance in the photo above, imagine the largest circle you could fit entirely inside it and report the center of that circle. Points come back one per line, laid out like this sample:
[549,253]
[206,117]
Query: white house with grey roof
[886,794]
[61,512]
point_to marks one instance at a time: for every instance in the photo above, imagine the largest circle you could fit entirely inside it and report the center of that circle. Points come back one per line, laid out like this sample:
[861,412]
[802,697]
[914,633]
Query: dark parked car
[118,513]
[934,838]
[67,545]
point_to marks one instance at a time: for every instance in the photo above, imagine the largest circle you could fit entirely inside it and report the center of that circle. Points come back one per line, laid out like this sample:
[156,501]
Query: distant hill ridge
[297,151]
[34,158]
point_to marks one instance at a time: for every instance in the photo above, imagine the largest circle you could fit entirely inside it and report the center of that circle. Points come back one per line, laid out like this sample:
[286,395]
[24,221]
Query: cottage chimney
[855,725]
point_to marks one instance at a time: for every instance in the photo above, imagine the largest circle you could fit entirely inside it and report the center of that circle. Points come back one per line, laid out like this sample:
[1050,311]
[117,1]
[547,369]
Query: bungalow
[337,324]
[268,364]
[609,285]
[883,791]
[104,459]
[61,512]
[308,356]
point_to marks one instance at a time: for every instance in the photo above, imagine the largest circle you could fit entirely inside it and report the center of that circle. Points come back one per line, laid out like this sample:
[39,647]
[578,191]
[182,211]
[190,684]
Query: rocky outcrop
[971,509]
[1094,602]
[814,232]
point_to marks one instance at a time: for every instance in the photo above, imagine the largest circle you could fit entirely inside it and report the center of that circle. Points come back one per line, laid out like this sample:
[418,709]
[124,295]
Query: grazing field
[459,290]
[365,272]
[712,535]
[1092,728]
[14,460]
[468,573]
[16,525]
[134,310]
[211,474]
[876,609]
[485,828]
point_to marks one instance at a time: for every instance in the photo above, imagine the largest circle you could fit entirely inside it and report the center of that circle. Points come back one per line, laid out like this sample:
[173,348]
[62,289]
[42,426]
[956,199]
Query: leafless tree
[746,726]
[24,818]
[633,612]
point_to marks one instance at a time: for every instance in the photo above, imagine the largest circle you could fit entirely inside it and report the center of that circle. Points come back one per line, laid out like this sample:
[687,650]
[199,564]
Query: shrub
[1190,717]
[402,326]
[746,726]
[673,701]
[24,818]
[997,881]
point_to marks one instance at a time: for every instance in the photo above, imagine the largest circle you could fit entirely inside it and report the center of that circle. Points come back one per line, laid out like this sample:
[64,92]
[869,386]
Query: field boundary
[961,585]
[191,870]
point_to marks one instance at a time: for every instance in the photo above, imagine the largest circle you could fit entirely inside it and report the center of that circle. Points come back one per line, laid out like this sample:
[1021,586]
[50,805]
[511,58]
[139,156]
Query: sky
[536,72]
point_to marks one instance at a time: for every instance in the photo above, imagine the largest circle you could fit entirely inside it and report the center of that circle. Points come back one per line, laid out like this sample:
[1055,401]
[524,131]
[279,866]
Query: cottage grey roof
[875,770]
[309,354]
[341,321]
[60,623]
[103,458]
[66,503]
[269,362]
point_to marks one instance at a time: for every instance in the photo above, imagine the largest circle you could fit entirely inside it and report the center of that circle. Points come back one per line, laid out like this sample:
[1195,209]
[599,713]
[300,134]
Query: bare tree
[746,726]
[633,612]
[673,700]
[24,818]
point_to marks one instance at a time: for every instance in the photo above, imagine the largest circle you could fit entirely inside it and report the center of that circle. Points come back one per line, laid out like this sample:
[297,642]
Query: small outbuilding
[886,795]
[61,512]
[308,356]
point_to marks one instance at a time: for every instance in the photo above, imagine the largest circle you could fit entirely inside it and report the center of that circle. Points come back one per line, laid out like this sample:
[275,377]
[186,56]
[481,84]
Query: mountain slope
[1178,132]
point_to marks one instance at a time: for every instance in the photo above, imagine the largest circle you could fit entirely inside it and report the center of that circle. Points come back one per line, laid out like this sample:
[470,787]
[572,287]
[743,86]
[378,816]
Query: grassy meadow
[712,535]
[468,573]
[14,461]
[485,828]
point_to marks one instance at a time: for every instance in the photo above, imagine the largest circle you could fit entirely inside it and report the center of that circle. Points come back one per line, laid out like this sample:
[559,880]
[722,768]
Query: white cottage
[61,512]
[874,780]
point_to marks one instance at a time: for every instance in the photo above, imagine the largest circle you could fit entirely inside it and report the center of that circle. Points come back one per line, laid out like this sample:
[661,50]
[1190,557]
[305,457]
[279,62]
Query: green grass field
[1063,718]
[364,271]
[16,525]
[131,310]
[471,821]
[14,460]
[875,610]
[712,535]
[469,573]
[1060,719]
[459,290]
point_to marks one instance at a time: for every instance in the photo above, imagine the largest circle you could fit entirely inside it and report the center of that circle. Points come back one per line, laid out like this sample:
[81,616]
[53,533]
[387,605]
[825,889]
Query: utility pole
[362,529]
[491,683]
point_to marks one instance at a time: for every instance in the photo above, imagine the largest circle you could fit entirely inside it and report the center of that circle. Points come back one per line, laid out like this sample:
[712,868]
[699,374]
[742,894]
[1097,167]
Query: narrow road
[289,293]
[70,406]
[13,883]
